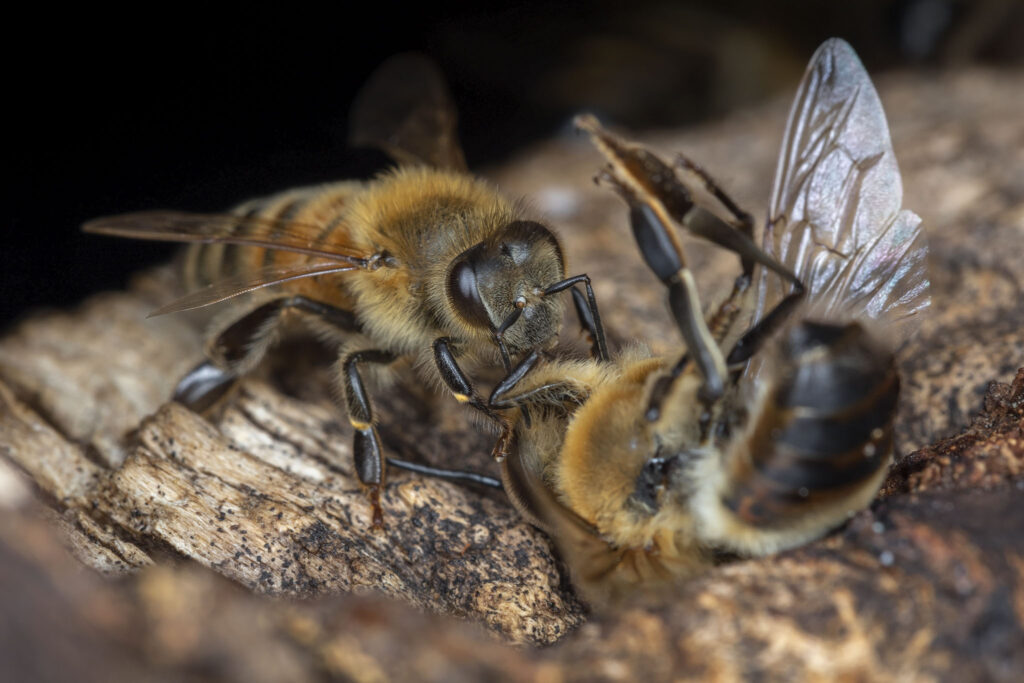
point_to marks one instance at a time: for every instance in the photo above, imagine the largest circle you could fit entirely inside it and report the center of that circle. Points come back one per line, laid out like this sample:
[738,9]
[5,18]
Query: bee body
[205,264]
[776,423]
[415,220]
[424,263]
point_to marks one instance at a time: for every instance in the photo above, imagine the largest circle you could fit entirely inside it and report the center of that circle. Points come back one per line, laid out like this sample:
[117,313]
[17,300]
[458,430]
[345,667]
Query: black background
[112,112]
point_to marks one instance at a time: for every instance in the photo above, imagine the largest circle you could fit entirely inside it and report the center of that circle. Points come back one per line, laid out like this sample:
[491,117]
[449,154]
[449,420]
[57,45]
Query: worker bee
[760,436]
[425,263]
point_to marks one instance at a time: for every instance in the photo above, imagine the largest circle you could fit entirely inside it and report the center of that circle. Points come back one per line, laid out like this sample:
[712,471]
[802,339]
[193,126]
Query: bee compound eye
[464,293]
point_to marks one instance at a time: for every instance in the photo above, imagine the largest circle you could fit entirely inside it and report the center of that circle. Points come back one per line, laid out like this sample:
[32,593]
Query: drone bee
[761,436]
[425,263]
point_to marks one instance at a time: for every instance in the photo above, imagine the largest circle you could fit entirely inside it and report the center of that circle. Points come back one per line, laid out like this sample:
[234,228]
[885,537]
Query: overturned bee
[761,436]
[425,263]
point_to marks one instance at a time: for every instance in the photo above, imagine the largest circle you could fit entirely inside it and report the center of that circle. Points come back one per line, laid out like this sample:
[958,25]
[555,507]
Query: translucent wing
[179,226]
[405,109]
[835,217]
[248,282]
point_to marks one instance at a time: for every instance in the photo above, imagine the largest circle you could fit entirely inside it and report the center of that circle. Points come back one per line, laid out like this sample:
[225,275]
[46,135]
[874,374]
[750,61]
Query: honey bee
[424,263]
[649,469]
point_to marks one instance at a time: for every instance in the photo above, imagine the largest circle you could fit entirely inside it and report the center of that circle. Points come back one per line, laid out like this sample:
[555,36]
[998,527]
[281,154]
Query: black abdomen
[823,432]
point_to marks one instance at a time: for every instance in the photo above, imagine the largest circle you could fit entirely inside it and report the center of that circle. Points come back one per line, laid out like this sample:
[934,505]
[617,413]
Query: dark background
[121,112]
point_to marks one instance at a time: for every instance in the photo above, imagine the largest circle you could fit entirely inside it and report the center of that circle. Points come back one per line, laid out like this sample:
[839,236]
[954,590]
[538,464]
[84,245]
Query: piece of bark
[920,586]
[928,582]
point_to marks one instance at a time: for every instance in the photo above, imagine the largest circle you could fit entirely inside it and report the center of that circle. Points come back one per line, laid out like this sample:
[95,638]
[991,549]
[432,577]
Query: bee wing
[835,217]
[406,110]
[248,282]
[180,226]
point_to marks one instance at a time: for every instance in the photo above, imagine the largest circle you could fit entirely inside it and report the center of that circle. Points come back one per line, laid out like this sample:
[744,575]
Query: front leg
[589,324]
[366,448]
[586,311]
[462,388]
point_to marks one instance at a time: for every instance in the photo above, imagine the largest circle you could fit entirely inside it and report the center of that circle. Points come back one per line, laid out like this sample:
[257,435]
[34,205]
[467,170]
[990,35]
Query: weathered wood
[928,583]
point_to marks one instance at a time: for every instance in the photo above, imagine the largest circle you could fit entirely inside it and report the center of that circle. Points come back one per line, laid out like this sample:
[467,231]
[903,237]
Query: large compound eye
[463,293]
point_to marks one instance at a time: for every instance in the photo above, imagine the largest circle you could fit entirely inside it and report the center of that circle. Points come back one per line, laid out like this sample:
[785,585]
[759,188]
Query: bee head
[498,285]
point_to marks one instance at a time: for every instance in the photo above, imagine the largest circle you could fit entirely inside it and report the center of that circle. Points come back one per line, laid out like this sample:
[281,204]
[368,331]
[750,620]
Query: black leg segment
[587,322]
[460,476]
[204,387]
[685,306]
[593,322]
[366,449]
[461,387]
[512,379]
[744,220]
[242,343]
[754,338]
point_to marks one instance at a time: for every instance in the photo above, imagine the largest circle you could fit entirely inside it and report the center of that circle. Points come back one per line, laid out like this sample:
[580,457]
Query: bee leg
[461,476]
[707,225]
[242,344]
[204,387]
[754,338]
[591,319]
[366,448]
[664,256]
[655,195]
[503,397]
[499,396]
[655,198]
[590,325]
[463,390]
[745,222]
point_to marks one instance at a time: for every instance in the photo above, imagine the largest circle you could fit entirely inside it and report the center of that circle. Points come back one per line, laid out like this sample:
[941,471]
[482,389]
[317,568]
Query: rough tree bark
[927,583]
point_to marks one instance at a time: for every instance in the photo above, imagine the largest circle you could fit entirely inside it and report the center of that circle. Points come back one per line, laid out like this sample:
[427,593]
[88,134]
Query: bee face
[499,285]
[621,471]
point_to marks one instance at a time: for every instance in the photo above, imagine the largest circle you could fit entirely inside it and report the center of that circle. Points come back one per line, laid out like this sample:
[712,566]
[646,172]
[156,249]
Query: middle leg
[366,449]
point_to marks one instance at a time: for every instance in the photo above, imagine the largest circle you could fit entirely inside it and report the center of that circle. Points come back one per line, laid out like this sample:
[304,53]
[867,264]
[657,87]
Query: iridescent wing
[835,217]
[406,110]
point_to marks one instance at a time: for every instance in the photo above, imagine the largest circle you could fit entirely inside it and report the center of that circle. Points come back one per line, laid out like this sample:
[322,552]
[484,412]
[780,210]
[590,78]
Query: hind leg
[240,346]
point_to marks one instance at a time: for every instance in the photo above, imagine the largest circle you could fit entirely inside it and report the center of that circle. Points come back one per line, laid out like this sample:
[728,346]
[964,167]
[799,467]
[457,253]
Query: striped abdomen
[322,205]
[821,438]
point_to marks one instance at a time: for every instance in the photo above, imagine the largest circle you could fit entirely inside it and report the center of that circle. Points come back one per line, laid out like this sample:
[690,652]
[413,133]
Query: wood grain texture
[203,519]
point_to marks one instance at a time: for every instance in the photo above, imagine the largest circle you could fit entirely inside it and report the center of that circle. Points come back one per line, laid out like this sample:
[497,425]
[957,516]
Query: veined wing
[280,235]
[835,217]
[248,282]
[406,110]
